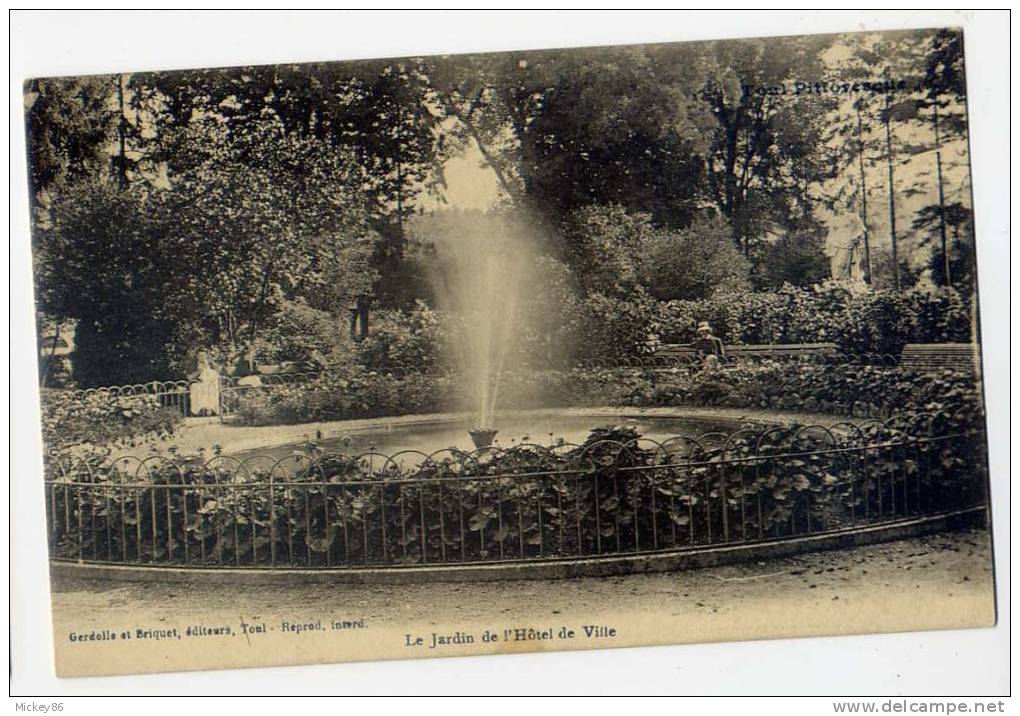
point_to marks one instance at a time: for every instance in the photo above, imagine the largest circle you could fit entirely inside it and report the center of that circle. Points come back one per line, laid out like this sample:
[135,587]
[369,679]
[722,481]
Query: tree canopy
[218,207]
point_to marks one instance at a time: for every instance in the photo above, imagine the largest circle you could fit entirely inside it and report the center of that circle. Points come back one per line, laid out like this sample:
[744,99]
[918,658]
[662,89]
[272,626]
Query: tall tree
[69,125]
[946,95]
[863,191]
[268,217]
[664,130]
[885,75]
[376,111]
[99,262]
[767,146]
[562,129]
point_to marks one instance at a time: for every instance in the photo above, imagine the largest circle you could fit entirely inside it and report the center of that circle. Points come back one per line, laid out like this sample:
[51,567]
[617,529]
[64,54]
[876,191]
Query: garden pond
[545,429]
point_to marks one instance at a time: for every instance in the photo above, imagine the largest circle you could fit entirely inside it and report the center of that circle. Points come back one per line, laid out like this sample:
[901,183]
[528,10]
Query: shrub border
[638,563]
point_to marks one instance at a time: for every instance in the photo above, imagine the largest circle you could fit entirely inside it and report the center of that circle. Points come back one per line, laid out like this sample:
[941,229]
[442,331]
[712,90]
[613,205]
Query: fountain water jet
[480,273]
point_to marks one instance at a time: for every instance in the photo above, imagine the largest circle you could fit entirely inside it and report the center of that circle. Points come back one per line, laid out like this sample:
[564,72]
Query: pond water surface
[428,437]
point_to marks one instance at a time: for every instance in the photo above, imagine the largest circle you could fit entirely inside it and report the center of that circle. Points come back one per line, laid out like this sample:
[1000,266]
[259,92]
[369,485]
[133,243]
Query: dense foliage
[102,420]
[850,389]
[644,189]
[619,324]
[148,276]
[406,340]
[857,320]
[243,209]
[615,252]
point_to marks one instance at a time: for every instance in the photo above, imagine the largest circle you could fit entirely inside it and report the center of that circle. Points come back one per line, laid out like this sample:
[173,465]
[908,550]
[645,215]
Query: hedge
[851,390]
[850,315]
[846,390]
[856,319]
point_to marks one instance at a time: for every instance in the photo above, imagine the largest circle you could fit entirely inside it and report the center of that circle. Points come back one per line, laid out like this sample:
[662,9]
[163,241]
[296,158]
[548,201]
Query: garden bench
[932,356]
[919,356]
[684,350]
[288,368]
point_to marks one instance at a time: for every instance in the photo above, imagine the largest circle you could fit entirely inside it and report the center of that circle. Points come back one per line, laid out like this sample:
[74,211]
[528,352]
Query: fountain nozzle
[482,437]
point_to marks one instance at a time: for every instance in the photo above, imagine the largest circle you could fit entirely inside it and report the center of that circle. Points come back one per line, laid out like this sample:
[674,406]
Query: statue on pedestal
[204,389]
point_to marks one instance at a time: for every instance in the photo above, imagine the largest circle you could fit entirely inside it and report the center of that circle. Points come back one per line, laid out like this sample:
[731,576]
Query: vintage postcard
[496,353]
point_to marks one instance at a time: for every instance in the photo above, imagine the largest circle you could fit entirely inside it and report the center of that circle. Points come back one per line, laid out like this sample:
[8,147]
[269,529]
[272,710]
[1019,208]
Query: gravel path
[933,567]
[942,581]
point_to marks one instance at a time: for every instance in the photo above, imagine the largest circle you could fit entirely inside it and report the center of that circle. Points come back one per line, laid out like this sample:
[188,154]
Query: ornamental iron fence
[233,389]
[611,496]
[171,394]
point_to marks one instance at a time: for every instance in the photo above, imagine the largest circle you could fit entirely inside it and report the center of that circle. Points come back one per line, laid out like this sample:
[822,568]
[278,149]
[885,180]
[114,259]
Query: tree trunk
[892,195]
[731,209]
[400,185]
[864,198]
[942,199]
[122,136]
[490,159]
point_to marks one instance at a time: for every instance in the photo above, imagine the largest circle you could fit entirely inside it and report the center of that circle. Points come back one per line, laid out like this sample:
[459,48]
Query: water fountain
[496,287]
[480,272]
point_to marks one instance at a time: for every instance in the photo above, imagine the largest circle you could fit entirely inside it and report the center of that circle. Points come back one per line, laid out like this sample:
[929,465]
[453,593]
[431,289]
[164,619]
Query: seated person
[708,347]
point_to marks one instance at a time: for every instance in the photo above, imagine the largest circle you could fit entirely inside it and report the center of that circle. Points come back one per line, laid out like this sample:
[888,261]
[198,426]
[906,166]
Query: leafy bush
[851,390]
[878,323]
[789,315]
[300,333]
[798,259]
[942,315]
[346,393]
[840,389]
[696,262]
[619,326]
[101,419]
[855,318]
[414,339]
[614,251]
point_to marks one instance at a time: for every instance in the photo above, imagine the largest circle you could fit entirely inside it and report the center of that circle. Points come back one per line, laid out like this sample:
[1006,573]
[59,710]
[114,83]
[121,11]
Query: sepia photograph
[492,353]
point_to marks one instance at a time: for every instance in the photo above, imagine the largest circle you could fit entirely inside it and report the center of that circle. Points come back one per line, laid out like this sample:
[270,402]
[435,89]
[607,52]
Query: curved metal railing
[171,394]
[313,509]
